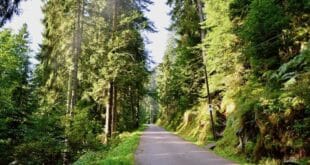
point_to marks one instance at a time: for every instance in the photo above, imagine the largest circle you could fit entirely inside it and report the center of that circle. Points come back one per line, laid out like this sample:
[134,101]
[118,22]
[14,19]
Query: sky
[159,16]
[32,15]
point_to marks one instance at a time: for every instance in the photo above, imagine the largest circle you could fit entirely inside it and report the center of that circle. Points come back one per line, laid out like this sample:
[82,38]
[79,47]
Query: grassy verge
[229,154]
[121,151]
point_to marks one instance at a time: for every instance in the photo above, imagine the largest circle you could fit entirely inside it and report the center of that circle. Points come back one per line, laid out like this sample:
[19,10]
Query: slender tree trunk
[108,123]
[73,80]
[203,54]
[78,51]
[111,108]
[138,109]
[137,114]
[133,114]
[114,109]
[113,95]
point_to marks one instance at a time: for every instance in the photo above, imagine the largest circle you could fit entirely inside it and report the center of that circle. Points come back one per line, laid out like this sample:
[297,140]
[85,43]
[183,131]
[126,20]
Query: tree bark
[114,109]
[203,54]
[73,79]
[76,53]
[109,109]
[133,112]
[138,109]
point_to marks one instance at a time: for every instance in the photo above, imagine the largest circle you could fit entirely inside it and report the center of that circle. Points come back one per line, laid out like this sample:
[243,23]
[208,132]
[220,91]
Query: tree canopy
[235,72]
[7,9]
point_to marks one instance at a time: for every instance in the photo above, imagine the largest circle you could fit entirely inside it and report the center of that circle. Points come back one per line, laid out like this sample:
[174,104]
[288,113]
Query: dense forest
[88,86]
[235,72]
[251,58]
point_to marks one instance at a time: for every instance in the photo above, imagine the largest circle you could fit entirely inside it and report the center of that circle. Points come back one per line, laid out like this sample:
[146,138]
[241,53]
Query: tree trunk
[133,114]
[73,80]
[76,53]
[138,109]
[114,109]
[113,86]
[109,109]
[107,123]
[199,6]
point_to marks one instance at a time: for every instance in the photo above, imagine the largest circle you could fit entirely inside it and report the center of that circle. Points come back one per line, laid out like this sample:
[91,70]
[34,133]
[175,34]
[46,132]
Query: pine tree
[8,9]
[15,91]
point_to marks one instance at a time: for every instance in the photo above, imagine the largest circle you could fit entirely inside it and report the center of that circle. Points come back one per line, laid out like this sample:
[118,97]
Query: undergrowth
[120,152]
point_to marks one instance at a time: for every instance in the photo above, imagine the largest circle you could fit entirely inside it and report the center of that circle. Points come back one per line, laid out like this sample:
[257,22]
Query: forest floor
[157,146]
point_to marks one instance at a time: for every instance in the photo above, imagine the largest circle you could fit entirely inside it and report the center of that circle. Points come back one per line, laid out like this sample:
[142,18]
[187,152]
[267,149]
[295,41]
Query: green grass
[121,152]
[229,154]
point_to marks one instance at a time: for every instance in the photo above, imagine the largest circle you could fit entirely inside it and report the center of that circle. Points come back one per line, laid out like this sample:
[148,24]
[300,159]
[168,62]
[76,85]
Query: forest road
[159,147]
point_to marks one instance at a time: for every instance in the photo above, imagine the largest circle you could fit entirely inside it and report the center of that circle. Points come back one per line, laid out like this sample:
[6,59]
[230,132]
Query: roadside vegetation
[120,151]
[255,55]
[247,59]
[87,89]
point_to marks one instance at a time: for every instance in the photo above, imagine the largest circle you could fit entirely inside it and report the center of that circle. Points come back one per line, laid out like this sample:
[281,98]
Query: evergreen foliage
[8,9]
[87,88]
[16,100]
[92,81]
[256,54]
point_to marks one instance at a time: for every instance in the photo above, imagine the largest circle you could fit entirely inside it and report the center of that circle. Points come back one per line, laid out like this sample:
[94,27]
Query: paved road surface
[159,147]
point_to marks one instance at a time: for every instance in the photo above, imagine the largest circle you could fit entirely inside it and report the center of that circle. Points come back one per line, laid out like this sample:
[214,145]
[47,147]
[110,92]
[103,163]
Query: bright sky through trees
[159,15]
[32,15]
[99,70]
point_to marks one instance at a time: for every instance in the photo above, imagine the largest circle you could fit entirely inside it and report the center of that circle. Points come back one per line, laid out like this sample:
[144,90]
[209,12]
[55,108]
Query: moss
[192,125]
[228,154]
[227,146]
[275,122]
[269,161]
[305,161]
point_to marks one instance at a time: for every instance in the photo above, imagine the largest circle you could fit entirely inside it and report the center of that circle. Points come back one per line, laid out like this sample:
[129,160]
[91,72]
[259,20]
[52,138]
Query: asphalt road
[159,147]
